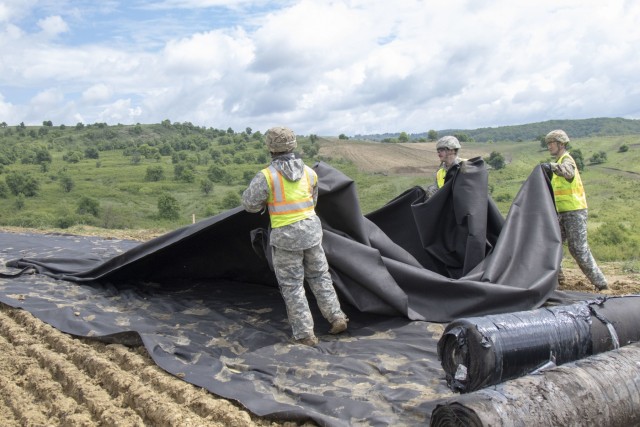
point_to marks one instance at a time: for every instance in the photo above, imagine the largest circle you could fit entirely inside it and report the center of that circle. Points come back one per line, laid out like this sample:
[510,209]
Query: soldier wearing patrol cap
[289,190]
[571,205]
[447,148]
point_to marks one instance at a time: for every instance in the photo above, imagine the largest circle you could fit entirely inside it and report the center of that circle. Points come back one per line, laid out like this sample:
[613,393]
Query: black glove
[546,168]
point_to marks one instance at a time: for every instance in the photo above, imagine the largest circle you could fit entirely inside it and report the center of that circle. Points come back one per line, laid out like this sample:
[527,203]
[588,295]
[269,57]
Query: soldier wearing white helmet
[447,148]
[289,190]
[571,205]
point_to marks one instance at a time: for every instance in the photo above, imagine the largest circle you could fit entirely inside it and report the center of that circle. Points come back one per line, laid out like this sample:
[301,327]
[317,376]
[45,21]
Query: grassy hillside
[613,187]
[162,176]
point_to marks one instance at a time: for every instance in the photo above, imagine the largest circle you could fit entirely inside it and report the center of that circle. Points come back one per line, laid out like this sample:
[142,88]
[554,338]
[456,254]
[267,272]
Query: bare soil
[50,378]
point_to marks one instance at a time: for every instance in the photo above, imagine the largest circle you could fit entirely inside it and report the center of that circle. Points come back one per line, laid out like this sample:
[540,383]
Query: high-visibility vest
[442,173]
[569,196]
[289,201]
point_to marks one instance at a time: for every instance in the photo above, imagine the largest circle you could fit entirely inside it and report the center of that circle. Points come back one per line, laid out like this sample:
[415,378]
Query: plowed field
[49,378]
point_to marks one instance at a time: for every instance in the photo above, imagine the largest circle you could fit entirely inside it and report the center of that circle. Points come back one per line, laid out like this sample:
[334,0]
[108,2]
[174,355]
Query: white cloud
[346,66]
[53,25]
[96,93]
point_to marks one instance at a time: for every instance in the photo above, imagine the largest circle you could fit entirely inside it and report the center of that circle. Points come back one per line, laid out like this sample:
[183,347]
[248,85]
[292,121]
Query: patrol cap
[558,136]
[280,139]
[450,142]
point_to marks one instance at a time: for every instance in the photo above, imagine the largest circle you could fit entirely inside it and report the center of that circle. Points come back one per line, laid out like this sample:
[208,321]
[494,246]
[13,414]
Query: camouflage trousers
[573,226]
[292,268]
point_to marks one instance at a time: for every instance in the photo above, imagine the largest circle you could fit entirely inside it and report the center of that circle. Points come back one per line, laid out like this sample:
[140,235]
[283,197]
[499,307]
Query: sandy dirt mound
[50,378]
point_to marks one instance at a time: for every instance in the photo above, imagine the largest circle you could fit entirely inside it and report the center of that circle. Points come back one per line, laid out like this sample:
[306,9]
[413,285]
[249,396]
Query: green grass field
[127,200]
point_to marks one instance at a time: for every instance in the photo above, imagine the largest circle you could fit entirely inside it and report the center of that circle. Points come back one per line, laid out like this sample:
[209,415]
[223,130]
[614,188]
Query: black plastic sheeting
[206,306]
[600,390]
[482,351]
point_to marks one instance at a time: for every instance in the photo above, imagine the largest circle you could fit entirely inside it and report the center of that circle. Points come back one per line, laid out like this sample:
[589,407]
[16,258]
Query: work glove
[546,168]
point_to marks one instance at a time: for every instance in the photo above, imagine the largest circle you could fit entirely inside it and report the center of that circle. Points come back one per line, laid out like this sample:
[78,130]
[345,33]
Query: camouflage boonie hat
[557,136]
[450,142]
[280,140]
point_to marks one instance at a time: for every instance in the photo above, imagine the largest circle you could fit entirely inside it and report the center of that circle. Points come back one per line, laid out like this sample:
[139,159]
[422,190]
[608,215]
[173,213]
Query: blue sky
[323,67]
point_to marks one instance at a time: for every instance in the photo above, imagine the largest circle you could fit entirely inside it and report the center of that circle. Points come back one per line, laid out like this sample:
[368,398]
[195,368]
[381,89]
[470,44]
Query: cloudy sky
[319,66]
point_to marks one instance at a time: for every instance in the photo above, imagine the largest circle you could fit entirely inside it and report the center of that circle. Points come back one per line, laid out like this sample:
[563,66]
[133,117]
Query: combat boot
[338,325]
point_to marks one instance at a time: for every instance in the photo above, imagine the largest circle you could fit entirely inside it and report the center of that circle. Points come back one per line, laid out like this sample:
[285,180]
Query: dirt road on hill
[418,158]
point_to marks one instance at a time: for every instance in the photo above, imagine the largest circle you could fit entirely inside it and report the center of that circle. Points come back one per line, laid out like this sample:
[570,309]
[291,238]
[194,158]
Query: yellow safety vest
[289,201]
[442,173]
[569,196]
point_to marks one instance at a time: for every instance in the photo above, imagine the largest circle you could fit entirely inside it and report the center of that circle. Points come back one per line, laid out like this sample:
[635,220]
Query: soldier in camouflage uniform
[571,204]
[289,190]
[447,148]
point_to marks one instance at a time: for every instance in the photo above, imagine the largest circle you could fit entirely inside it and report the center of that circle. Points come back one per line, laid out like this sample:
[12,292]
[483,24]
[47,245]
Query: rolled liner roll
[600,390]
[480,351]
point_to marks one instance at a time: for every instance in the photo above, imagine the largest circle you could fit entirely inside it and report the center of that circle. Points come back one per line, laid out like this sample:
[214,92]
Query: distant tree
[21,125]
[88,206]
[154,173]
[496,160]
[579,159]
[310,150]
[206,186]
[166,123]
[184,171]
[543,141]
[47,123]
[4,190]
[91,153]
[230,200]
[22,183]
[72,156]
[623,148]
[62,127]
[230,131]
[66,183]
[403,137]
[42,155]
[168,207]
[462,137]
[79,126]
[597,158]
[3,125]
[248,131]
[218,174]
[343,136]
[432,135]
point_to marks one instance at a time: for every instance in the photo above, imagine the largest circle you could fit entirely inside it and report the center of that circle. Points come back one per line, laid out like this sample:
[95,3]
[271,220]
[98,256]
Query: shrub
[168,207]
[597,158]
[206,186]
[66,183]
[496,160]
[22,183]
[154,173]
[230,200]
[88,205]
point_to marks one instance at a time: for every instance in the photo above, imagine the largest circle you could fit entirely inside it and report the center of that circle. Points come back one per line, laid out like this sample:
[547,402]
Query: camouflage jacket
[299,235]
